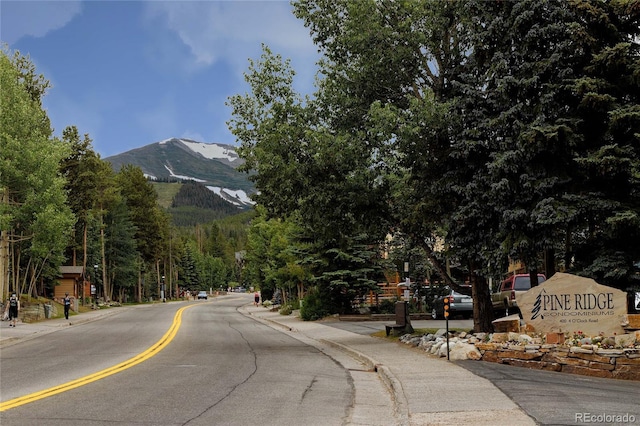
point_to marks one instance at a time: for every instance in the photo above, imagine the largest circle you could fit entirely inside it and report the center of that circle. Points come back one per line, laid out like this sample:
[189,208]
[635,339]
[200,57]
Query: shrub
[295,304]
[286,310]
[388,306]
[313,307]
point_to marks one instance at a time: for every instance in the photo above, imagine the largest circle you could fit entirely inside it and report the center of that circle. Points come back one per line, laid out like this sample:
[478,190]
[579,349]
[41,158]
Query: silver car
[461,305]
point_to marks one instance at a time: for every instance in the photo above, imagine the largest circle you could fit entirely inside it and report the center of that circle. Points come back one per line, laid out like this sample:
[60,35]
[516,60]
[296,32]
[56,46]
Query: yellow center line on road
[152,351]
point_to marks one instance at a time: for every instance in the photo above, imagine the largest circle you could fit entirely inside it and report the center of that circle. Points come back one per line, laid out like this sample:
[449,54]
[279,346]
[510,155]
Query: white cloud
[229,29]
[194,136]
[35,18]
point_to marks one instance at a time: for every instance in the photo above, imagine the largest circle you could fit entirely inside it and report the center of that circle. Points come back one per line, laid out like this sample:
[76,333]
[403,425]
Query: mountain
[214,165]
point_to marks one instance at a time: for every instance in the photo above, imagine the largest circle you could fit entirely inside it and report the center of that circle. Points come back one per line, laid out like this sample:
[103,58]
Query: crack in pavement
[228,394]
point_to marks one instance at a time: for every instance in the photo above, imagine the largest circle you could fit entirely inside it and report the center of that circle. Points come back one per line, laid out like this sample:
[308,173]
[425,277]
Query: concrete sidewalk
[25,331]
[426,390]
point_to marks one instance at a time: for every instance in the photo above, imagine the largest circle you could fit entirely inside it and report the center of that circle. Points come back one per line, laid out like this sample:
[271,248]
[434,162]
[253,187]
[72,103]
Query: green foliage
[387,306]
[313,306]
[166,191]
[286,310]
[34,214]
[430,123]
[190,216]
[197,195]
[150,222]
[188,272]
[324,181]
[346,274]
[273,253]
[120,243]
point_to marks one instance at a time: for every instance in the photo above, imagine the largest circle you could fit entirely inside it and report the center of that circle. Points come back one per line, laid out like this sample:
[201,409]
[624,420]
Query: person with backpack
[14,308]
[67,305]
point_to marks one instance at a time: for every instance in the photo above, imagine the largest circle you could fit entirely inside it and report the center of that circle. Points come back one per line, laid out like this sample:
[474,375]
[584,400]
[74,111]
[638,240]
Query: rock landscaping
[616,357]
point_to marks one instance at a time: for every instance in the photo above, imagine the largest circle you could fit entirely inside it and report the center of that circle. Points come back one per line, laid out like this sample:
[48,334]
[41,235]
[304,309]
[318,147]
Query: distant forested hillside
[197,195]
[194,203]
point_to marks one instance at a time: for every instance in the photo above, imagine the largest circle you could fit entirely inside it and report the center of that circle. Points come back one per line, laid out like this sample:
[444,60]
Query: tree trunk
[158,279]
[549,262]
[567,249]
[139,289]
[533,277]
[4,265]
[482,307]
[84,260]
[106,285]
[480,293]
[84,247]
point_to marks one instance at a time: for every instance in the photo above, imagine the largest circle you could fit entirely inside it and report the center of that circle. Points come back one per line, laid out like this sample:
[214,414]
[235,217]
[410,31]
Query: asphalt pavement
[424,389]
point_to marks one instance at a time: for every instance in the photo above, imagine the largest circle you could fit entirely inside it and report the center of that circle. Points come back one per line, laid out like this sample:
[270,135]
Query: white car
[202,295]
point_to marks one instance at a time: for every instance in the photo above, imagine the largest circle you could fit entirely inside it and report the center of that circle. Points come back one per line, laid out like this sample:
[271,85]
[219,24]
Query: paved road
[553,398]
[220,367]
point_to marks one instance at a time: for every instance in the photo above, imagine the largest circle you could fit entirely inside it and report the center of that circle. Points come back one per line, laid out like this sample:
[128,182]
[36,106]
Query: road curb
[400,403]
[401,406]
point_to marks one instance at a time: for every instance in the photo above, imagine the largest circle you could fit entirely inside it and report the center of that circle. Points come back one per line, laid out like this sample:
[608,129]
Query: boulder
[507,324]
[464,351]
[625,340]
[499,337]
[525,338]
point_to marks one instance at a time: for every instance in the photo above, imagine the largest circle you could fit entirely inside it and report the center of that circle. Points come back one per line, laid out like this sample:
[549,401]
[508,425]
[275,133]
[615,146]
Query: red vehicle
[504,299]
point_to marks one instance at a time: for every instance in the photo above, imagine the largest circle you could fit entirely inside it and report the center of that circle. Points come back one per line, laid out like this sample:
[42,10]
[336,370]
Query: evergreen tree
[151,223]
[80,169]
[120,245]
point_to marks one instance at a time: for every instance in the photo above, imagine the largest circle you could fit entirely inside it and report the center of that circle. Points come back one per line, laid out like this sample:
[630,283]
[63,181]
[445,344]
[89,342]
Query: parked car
[461,305]
[504,298]
[203,295]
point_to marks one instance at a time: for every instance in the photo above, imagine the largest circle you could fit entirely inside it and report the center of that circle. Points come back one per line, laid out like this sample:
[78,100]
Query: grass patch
[166,192]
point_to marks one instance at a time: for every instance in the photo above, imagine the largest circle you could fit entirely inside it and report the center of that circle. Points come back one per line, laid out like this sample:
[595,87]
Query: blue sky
[131,73]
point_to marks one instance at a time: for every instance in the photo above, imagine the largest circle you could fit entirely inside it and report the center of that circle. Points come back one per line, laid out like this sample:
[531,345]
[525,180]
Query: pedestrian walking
[67,305]
[256,299]
[14,308]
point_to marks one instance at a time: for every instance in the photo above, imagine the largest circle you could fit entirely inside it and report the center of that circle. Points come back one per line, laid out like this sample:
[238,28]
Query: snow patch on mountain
[181,176]
[236,197]
[211,150]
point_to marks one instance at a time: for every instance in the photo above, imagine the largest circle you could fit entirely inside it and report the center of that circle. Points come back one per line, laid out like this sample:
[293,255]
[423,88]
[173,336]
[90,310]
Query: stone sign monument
[568,303]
